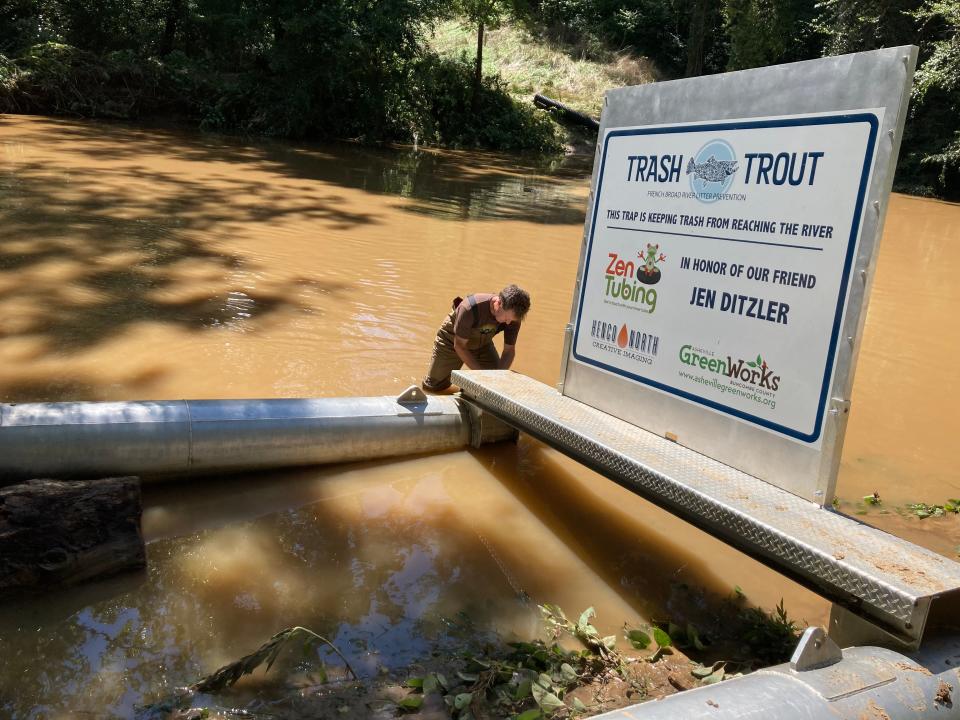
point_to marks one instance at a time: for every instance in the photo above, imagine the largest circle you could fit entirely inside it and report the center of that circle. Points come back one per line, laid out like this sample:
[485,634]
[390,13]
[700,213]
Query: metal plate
[878,79]
[883,577]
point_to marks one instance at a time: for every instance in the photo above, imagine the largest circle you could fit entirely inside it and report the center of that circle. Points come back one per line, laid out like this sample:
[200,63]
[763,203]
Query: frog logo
[649,273]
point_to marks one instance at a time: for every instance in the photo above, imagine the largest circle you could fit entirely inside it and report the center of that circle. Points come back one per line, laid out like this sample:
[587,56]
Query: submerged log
[56,533]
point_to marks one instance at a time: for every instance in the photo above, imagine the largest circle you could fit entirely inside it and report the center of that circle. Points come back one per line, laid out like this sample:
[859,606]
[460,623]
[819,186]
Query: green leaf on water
[468,677]
[534,714]
[578,705]
[638,638]
[662,639]
[462,700]
[567,672]
[414,682]
[430,684]
[441,678]
[411,702]
[610,642]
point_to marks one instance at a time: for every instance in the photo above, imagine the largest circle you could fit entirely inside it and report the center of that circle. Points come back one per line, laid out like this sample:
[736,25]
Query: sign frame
[835,86]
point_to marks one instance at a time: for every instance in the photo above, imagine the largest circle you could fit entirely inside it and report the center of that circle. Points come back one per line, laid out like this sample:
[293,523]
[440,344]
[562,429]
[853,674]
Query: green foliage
[655,28]
[348,69]
[770,638]
[275,67]
[441,111]
[930,158]
[62,79]
[532,680]
[765,32]
[924,510]
[856,25]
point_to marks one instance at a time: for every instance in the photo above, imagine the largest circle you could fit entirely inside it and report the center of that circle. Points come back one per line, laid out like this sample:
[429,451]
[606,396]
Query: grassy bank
[528,65]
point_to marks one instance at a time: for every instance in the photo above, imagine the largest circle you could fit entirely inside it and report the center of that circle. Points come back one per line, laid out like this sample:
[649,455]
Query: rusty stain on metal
[943,694]
[913,668]
[874,712]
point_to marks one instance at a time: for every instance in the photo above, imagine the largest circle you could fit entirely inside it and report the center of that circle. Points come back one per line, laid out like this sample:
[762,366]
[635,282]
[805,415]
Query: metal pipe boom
[76,439]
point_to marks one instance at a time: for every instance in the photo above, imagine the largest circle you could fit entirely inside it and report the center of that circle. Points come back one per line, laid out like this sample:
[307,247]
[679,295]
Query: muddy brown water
[156,264]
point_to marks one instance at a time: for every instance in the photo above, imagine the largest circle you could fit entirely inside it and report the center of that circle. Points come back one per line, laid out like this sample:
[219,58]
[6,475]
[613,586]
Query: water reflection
[388,560]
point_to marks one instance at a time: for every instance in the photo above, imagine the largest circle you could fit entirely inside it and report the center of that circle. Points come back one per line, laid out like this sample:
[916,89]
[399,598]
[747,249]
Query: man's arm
[469,359]
[506,357]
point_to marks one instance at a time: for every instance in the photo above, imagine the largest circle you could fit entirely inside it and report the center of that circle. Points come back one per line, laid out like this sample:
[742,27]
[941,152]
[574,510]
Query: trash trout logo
[712,170]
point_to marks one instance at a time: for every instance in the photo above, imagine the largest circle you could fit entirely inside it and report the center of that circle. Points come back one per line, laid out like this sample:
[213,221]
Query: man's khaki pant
[445,360]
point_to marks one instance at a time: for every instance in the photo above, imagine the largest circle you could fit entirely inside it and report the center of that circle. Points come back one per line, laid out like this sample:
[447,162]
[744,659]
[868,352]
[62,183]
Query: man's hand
[506,358]
[469,359]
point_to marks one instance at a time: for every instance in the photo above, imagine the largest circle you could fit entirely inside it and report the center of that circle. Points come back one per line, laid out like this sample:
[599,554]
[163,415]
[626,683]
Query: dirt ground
[302,696]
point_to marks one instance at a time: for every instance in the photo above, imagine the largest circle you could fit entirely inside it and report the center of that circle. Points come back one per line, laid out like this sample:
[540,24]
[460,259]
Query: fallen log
[55,533]
[566,112]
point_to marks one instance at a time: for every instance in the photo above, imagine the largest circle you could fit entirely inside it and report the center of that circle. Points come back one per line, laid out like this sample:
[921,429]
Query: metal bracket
[414,401]
[815,650]
[411,396]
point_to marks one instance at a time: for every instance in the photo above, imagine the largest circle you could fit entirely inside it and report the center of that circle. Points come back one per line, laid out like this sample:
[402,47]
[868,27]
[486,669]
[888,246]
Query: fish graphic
[712,170]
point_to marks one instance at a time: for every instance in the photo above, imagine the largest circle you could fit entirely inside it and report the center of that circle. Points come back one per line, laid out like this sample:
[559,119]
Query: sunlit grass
[531,65]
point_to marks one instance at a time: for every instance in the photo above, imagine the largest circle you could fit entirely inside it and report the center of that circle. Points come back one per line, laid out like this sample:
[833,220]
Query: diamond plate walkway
[877,574]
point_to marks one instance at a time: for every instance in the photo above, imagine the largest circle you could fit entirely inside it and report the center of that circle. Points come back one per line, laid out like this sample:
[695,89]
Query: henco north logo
[753,372]
[629,282]
[623,341]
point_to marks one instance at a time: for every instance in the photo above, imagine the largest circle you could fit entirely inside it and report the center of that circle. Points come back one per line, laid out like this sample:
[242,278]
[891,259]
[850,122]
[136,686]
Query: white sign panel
[719,260]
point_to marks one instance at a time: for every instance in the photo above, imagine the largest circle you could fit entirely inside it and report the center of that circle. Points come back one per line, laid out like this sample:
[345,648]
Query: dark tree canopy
[343,68]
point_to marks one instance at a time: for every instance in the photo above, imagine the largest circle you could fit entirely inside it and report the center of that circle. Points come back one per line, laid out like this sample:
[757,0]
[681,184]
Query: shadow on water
[123,257]
[620,547]
[448,184]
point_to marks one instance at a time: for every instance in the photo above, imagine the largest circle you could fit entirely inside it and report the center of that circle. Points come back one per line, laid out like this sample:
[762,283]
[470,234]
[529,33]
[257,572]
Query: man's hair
[515,299]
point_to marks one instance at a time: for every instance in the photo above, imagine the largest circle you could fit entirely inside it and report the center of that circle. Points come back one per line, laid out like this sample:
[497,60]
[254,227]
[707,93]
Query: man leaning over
[466,336]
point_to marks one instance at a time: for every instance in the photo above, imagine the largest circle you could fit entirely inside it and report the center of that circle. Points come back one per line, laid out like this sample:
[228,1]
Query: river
[161,264]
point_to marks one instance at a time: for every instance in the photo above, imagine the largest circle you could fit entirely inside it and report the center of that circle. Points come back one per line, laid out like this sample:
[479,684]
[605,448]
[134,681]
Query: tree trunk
[478,71]
[56,533]
[175,11]
[698,30]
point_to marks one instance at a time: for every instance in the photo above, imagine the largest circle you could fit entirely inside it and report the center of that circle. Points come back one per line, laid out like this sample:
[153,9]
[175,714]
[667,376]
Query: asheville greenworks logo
[754,372]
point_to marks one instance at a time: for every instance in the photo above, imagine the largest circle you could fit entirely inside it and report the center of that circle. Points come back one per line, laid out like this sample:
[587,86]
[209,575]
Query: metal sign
[727,258]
